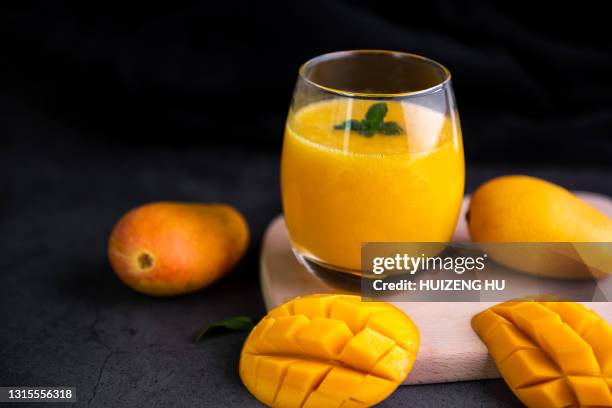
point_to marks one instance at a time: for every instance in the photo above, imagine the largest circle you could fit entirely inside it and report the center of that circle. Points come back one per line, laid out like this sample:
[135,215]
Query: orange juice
[341,188]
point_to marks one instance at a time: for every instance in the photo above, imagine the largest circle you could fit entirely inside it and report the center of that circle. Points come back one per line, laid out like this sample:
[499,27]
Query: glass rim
[350,94]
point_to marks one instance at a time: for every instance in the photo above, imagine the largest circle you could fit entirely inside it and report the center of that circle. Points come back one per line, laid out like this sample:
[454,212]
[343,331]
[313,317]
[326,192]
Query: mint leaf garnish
[372,123]
[352,124]
[390,128]
[236,323]
[375,116]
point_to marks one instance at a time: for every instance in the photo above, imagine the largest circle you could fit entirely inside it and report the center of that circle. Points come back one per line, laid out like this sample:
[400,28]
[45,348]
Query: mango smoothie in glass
[372,153]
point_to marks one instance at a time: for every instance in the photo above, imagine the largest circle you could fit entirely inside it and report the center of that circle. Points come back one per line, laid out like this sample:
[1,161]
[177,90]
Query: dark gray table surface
[65,318]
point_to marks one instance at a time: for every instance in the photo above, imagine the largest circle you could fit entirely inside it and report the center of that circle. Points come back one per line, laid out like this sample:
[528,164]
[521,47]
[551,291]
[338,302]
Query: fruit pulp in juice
[341,189]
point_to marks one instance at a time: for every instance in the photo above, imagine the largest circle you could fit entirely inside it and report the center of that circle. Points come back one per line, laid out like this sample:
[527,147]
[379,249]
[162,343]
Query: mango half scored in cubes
[328,351]
[551,354]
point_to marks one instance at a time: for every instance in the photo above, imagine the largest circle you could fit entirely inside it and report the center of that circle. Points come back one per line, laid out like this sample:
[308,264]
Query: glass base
[343,280]
[346,280]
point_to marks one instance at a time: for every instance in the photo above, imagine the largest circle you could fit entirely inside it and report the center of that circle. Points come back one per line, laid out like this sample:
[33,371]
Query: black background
[532,85]
[104,106]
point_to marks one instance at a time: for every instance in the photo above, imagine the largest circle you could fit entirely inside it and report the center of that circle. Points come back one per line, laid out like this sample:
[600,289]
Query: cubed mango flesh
[551,354]
[328,351]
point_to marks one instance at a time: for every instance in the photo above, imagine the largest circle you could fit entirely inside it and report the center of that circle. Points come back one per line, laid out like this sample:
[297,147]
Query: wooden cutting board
[449,351]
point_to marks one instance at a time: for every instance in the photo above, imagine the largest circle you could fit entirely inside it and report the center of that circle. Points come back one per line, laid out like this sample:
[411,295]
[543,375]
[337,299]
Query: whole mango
[169,248]
[523,209]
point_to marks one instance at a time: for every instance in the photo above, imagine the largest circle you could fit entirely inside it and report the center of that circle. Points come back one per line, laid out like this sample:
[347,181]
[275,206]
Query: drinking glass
[372,152]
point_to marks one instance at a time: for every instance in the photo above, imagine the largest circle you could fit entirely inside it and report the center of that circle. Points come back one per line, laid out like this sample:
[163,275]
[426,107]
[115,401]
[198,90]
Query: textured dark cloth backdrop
[533,85]
[105,106]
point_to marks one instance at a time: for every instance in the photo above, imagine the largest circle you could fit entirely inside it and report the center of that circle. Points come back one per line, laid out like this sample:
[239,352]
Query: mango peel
[551,354]
[328,351]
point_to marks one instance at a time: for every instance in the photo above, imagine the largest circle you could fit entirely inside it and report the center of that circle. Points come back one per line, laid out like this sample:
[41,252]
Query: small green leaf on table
[232,324]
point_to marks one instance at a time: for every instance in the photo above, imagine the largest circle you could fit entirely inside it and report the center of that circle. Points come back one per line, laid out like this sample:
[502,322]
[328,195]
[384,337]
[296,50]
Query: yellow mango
[328,351]
[551,354]
[520,209]
[172,248]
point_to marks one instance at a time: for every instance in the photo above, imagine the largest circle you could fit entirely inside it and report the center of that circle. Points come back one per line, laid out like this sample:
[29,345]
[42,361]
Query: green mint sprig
[374,121]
